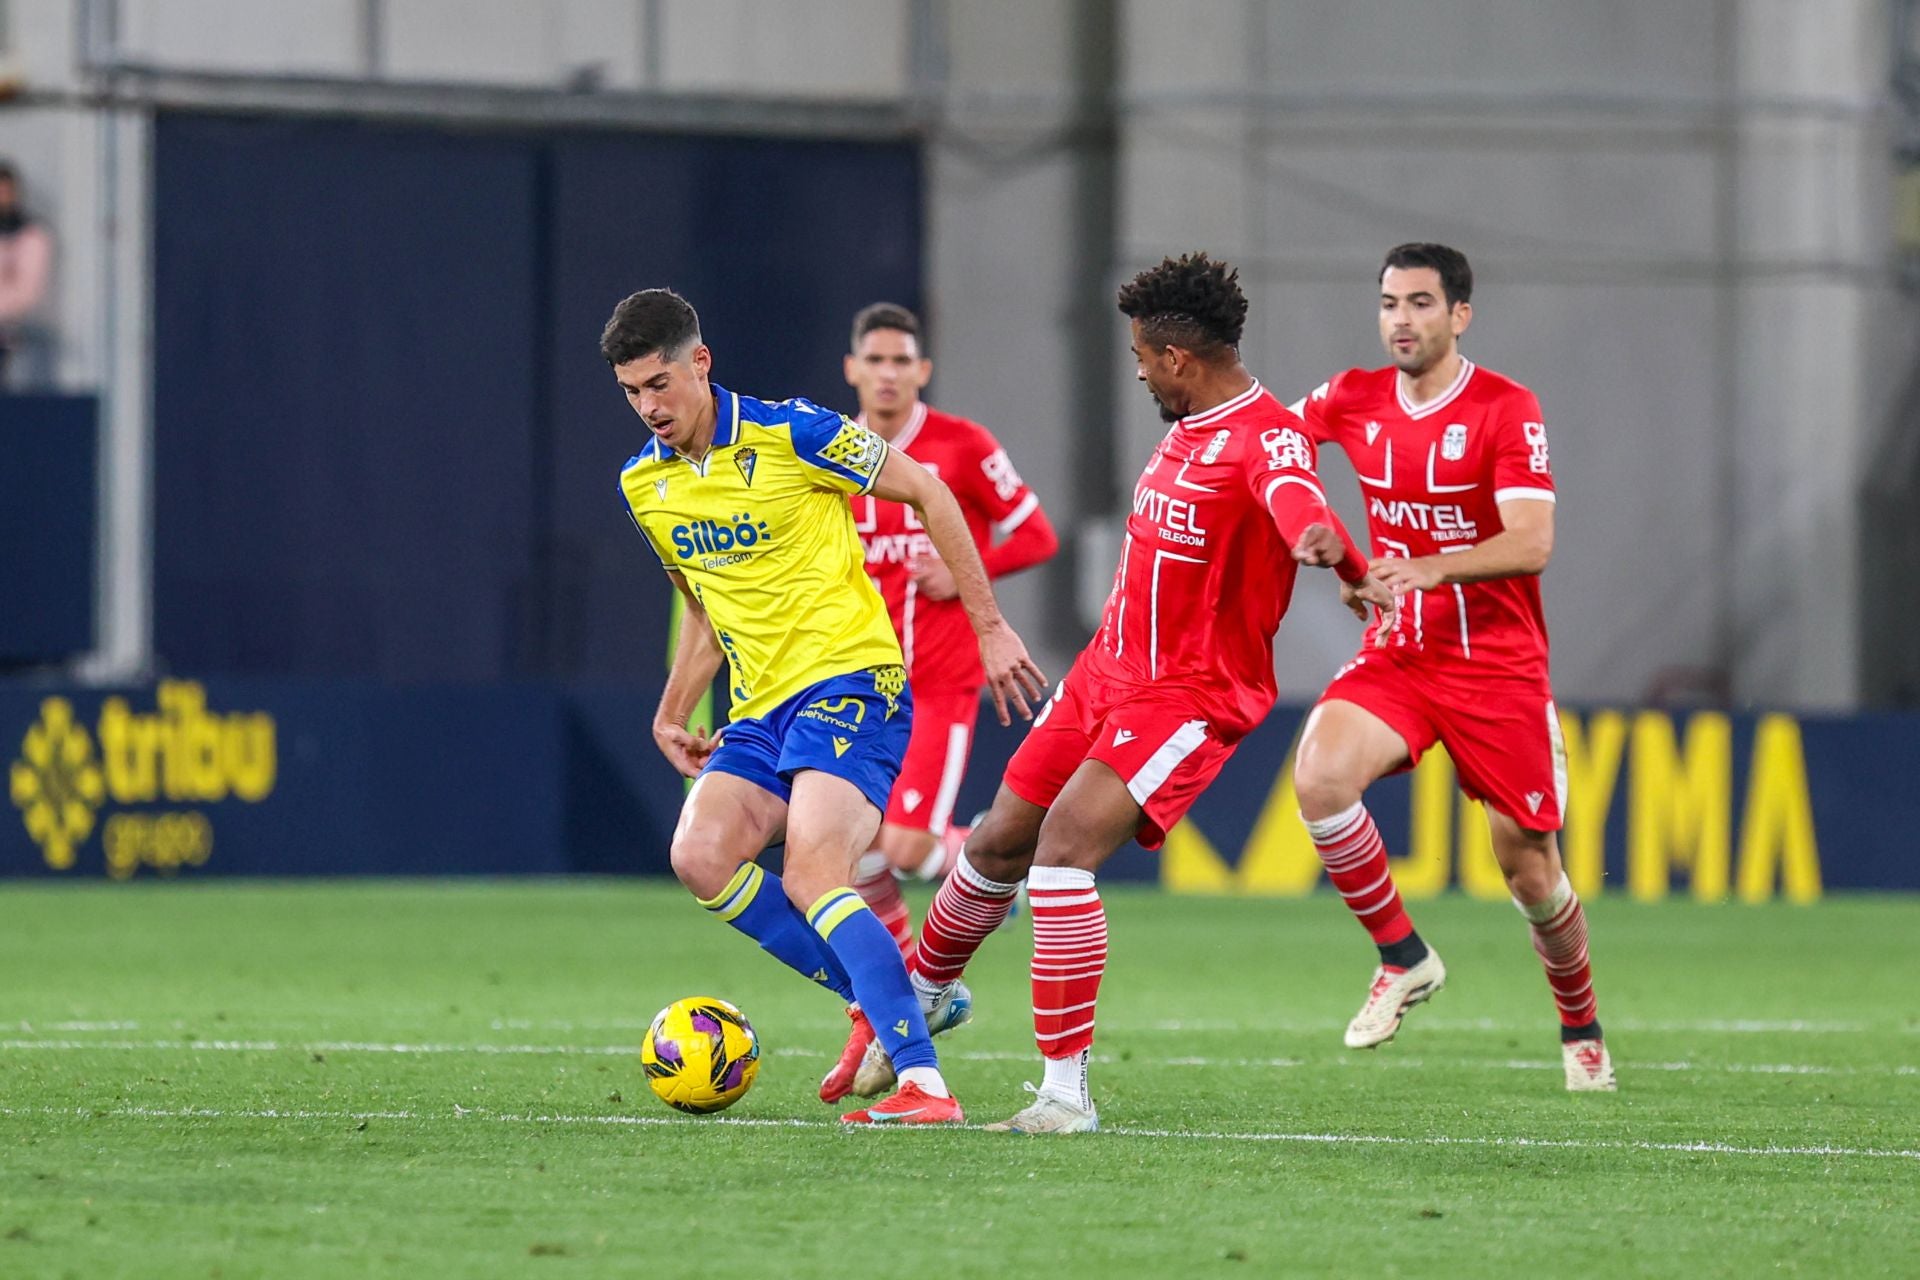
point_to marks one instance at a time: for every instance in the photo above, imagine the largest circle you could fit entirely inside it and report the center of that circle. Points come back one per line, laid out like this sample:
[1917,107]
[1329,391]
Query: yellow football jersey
[763,533]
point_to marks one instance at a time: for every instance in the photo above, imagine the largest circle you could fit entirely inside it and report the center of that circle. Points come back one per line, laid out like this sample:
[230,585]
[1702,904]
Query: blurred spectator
[26,263]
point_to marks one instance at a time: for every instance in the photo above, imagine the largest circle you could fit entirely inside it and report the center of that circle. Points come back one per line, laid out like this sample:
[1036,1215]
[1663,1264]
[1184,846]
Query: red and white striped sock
[874,881]
[966,909]
[1069,957]
[1356,861]
[1560,936]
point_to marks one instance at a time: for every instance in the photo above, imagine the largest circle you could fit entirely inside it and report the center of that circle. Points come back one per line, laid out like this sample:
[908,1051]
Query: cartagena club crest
[745,458]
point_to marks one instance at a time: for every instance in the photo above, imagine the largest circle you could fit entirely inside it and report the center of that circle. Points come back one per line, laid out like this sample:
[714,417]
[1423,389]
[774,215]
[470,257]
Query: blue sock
[755,903]
[880,983]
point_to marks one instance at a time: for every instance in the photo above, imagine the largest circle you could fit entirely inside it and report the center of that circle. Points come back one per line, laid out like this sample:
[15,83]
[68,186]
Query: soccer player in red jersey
[1453,464]
[888,369]
[1179,671]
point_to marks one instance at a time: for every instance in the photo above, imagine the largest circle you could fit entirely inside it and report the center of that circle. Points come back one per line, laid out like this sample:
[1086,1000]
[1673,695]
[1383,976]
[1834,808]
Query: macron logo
[1534,798]
[911,799]
[1121,737]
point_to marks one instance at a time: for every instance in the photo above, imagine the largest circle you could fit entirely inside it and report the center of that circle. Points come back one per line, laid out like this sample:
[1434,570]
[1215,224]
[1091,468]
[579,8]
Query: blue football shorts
[853,726]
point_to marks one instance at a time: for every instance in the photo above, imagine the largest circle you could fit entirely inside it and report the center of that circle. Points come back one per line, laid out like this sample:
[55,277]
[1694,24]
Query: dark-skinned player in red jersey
[1180,670]
[1453,464]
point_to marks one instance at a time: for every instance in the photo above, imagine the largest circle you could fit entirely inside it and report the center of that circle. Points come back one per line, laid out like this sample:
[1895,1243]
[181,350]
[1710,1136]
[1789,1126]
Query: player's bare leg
[1530,860]
[829,824]
[972,902]
[1344,749]
[1093,815]
[724,822]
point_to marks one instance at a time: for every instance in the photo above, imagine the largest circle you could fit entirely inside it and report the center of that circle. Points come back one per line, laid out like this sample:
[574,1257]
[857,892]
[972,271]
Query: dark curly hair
[1191,302]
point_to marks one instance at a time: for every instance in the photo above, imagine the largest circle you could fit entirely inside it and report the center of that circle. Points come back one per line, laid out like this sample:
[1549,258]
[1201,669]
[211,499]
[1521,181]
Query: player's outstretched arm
[696,657]
[1519,550]
[1011,674]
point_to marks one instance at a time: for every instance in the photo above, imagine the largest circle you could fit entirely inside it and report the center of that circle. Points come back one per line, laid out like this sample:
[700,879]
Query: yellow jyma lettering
[1776,827]
[1593,767]
[1679,809]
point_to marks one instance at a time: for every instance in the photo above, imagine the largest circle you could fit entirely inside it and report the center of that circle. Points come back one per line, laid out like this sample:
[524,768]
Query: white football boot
[1050,1113]
[1589,1068]
[947,1010]
[1389,998]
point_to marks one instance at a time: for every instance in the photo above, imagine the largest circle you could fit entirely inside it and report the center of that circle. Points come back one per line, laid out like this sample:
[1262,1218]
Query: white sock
[1550,906]
[931,866]
[928,1078]
[871,865]
[1066,1079]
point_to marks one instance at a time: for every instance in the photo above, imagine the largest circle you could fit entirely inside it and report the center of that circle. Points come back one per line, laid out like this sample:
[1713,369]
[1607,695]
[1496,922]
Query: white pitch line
[1394,1060]
[1712,1026]
[463,1114]
[430,1048]
[320,1046]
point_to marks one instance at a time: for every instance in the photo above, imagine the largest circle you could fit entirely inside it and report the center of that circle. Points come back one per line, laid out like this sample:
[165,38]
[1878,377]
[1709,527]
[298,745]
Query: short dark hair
[884,315]
[1191,302]
[1456,277]
[650,321]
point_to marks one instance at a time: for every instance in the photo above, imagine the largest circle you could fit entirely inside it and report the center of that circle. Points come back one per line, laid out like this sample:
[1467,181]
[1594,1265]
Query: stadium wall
[312,778]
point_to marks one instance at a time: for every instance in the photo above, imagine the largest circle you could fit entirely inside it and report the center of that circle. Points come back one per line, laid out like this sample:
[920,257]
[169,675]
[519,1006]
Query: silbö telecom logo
[180,753]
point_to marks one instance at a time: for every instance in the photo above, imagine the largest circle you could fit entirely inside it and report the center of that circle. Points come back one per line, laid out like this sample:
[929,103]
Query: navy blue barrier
[47,517]
[385,443]
[260,777]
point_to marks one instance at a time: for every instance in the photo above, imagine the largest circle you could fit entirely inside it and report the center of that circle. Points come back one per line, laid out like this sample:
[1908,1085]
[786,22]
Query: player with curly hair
[1180,670]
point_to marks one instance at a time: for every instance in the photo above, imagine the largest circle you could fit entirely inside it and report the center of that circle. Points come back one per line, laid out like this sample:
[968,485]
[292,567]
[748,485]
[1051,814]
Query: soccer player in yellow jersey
[745,503]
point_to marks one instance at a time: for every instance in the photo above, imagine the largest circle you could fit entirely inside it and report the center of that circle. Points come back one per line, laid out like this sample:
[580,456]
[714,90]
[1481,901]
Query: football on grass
[700,1055]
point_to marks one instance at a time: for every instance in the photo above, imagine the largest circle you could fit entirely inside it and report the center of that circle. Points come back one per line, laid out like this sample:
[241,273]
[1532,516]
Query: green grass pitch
[440,1080]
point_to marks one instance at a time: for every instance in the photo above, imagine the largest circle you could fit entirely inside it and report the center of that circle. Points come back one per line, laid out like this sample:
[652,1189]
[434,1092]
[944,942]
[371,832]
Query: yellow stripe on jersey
[761,530]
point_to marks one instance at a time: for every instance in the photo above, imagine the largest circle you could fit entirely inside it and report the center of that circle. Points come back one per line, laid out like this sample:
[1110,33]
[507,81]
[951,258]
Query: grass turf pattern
[399,1079]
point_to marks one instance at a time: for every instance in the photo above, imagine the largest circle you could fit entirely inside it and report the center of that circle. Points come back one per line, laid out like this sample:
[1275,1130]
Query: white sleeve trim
[1018,516]
[1530,495]
[1267,497]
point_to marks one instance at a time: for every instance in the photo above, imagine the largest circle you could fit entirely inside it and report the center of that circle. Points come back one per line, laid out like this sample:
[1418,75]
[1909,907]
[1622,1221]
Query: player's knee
[701,865]
[998,852]
[1323,787]
[905,848]
[1069,851]
[1532,879]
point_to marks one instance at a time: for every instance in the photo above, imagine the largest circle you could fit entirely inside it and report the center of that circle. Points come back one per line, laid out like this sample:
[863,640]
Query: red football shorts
[1156,738]
[936,760]
[1503,735]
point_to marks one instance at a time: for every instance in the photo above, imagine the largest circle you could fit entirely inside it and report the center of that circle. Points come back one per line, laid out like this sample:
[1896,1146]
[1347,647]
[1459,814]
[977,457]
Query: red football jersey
[941,650]
[1434,476]
[1205,570]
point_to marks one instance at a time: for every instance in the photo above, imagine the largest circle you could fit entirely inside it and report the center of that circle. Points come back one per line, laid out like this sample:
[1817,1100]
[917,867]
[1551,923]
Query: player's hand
[933,579]
[685,749]
[1319,545]
[1357,596]
[1400,576]
[1012,676]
